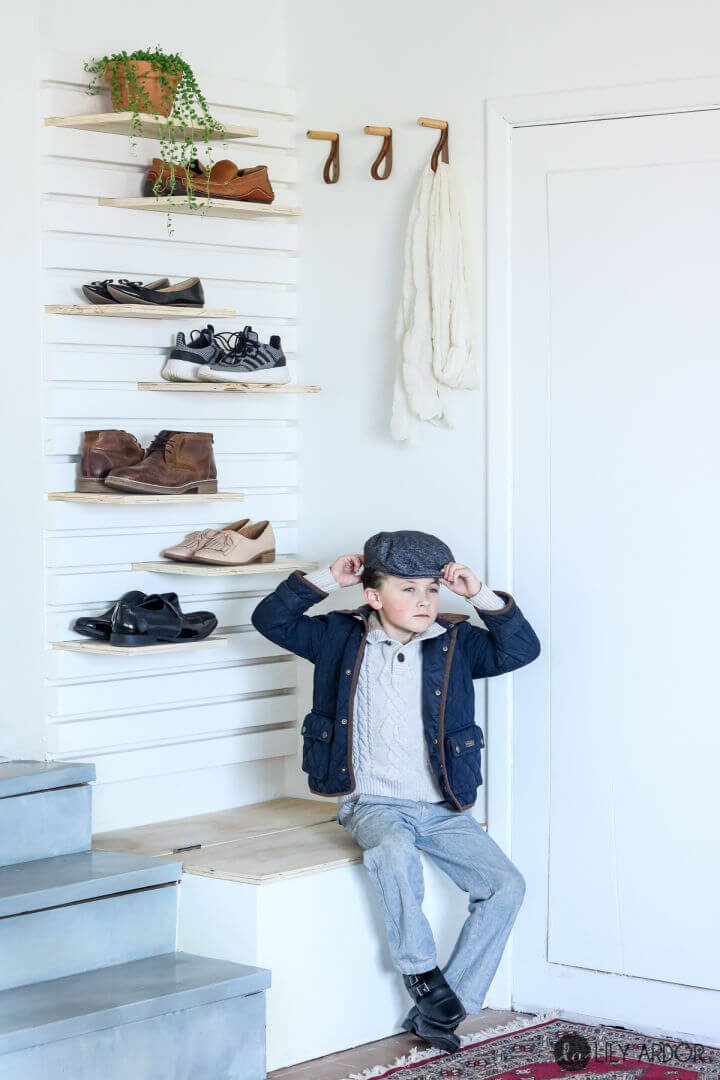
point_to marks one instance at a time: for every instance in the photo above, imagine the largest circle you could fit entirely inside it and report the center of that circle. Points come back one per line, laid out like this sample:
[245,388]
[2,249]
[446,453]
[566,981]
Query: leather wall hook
[385,155]
[331,170]
[442,143]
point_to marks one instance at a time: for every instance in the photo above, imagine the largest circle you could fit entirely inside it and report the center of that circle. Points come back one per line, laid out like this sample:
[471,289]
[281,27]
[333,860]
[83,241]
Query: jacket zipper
[441,722]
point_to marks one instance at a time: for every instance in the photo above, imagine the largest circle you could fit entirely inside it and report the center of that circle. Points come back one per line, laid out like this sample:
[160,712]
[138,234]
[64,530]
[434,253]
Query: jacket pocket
[462,748]
[317,732]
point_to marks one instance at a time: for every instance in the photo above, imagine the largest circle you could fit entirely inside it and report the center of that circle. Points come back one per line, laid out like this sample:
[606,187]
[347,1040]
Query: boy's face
[409,604]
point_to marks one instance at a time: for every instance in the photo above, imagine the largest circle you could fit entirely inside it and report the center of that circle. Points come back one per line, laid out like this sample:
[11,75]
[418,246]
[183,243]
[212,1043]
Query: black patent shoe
[98,626]
[97,291]
[442,1038]
[188,293]
[158,620]
[435,999]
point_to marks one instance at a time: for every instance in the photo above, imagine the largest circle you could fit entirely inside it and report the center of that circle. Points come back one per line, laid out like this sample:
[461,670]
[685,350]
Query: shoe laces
[204,336]
[241,344]
[222,541]
[159,443]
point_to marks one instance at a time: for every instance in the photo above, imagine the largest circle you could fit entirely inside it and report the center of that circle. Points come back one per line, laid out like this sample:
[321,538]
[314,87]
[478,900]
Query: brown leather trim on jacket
[301,575]
[441,720]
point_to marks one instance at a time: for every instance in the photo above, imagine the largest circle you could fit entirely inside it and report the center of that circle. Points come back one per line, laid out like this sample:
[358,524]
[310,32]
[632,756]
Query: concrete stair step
[175,1014]
[73,913]
[45,809]
[65,879]
[21,777]
[43,824]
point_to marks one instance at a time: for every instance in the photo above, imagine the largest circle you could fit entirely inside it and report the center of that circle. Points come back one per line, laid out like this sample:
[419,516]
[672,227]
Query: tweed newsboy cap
[407,553]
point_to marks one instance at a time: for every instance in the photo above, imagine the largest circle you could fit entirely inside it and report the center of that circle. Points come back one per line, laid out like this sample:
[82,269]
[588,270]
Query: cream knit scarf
[434,325]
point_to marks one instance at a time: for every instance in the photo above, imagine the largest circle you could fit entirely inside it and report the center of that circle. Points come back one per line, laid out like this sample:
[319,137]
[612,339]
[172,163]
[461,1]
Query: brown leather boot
[103,451]
[175,462]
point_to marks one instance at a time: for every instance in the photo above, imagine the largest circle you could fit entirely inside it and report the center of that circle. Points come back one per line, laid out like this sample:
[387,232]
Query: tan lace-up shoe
[184,551]
[254,543]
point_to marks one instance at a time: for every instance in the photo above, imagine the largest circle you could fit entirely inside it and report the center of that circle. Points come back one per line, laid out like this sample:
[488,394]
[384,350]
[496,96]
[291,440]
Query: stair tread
[21,777]
[108,997]
[85,875]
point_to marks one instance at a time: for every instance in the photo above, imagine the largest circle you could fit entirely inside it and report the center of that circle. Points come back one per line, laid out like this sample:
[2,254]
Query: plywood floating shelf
[224,208]
[141,311]
[119,123]
[120,499]
[232,388]
[200,570]
[104,648]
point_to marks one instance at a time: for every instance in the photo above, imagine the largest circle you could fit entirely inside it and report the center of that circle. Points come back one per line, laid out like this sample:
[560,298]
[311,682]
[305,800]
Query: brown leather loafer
[103,451]
[176,462]
[224,181]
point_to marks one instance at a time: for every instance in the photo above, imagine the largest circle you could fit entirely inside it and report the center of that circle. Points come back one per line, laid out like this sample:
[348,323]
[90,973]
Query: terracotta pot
[148,77]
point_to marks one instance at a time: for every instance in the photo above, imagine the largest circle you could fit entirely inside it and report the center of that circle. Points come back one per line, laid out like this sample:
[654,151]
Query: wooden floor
[384,1051]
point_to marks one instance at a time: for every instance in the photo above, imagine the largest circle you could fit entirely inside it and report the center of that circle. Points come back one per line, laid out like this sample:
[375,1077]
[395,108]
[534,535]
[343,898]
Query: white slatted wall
[201,730]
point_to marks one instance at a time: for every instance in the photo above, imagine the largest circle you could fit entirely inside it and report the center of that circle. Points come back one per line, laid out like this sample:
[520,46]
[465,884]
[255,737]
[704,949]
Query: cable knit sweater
[389,752]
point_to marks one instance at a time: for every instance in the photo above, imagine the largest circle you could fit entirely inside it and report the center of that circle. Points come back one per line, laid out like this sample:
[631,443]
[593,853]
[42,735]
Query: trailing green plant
[189,121]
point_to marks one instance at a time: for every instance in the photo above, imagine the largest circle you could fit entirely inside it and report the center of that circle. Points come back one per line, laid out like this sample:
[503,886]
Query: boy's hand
[347,569]
[460,579]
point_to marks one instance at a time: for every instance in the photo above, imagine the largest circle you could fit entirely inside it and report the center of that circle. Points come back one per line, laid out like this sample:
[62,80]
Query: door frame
[502,116]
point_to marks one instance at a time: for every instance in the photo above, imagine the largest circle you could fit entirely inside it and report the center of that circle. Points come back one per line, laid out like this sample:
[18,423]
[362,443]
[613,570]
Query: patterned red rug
[548,1048]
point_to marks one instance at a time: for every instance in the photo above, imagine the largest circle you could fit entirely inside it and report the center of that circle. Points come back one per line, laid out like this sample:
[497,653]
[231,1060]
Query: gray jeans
[391,833]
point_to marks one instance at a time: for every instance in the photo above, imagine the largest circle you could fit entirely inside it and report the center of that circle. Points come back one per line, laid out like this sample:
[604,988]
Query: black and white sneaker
[188,358]
[248,361]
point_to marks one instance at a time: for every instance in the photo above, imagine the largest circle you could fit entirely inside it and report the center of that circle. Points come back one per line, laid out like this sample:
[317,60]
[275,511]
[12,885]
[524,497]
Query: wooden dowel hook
[386,152]
[331,169]
[332,136]
[442,144]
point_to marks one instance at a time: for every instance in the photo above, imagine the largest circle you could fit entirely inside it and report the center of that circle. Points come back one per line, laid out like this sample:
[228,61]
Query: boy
[392,730]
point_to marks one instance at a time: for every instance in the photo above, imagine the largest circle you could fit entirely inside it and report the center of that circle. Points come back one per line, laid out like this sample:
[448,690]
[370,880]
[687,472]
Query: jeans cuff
[419,967]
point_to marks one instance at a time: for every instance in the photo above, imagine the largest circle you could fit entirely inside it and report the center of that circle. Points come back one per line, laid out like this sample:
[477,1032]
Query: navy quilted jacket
[335,643]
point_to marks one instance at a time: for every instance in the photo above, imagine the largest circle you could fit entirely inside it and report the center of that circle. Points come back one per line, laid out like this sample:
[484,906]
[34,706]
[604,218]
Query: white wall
[387,62]
[244,40]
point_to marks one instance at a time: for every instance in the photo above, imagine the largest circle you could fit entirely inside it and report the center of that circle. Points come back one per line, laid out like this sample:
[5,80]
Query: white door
[615,404]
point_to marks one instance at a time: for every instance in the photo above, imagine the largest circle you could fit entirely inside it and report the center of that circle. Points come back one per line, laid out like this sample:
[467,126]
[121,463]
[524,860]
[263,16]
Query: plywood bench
[280,884]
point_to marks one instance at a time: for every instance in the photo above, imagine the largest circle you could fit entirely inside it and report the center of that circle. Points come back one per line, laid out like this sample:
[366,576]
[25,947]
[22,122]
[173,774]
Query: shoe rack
[104,648]
[119,123]
[150,128]
[218,208]
[224,388]
[166,566]
[199,724]
[116,498]
[140,311]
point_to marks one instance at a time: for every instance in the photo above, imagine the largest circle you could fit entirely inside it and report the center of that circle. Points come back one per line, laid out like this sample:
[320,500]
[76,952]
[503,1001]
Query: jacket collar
[448,618]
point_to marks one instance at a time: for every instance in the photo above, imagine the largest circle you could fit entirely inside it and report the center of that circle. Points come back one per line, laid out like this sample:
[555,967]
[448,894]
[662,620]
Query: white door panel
[616,384]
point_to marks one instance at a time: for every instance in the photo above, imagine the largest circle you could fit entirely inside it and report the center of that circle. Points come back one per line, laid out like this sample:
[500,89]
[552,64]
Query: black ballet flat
[188,293]
[97,291]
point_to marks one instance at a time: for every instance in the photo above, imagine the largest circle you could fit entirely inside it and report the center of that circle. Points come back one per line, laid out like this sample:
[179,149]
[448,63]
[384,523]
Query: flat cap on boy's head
[407,553]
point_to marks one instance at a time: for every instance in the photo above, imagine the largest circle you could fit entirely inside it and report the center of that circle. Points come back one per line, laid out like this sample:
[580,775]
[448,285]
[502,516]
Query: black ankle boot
[435,999]
[443,1038]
